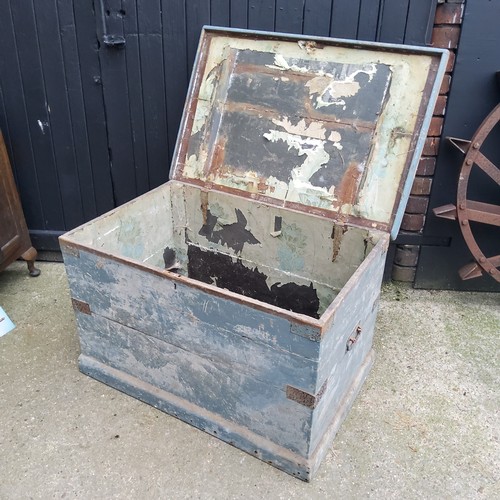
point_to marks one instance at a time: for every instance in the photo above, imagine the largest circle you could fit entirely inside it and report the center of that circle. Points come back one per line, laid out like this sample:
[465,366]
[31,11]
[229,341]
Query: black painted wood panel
[90,125]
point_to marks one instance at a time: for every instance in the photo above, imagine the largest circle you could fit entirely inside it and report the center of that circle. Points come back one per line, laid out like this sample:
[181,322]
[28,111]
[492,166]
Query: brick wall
[446,34]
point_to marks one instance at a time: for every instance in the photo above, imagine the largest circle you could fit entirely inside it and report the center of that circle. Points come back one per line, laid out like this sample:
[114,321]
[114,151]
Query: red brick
[431,146]
[445,37]
[435,127]
[406,255]
[440,107]
[445,86]
[417,205]
[426,166]
[449,13]
[451,61]
[421,186]
[401,273]
[413,222]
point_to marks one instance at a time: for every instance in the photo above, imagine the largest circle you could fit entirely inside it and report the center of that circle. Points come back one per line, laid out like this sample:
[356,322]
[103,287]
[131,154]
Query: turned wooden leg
[30,256]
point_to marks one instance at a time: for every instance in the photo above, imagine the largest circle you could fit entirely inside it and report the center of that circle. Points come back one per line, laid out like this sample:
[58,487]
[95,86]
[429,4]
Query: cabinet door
[13,232]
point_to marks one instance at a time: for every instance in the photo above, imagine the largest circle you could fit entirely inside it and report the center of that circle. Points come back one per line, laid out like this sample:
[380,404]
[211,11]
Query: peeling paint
[330,91]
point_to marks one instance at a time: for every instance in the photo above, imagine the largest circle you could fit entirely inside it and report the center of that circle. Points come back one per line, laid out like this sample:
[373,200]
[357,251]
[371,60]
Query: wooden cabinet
[14,237]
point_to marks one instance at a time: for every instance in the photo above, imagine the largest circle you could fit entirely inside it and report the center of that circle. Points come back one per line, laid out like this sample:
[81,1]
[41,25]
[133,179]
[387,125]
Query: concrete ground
[426,424]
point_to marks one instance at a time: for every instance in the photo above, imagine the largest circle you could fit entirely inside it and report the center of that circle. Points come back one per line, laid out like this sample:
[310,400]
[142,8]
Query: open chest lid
[324,126]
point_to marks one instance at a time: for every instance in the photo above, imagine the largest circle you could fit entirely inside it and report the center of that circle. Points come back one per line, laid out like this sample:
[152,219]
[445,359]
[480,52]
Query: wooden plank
[317,15]
[178,300]
[175,63]
[205,382]
[136,93]
[153,82]
[33,87]
[197,15]
[392,23]
[116,99]
[420,21]
[74,90]
[345,15]
[231,433]
[93,102]
[239,14]
[290,16]
[261,15]
[220,12]
[59,116]
[368,19]
[356,306]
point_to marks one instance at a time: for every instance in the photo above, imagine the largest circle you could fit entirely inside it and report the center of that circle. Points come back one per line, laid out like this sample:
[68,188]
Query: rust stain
[337,235]
[204,205]
[304,398]
[348,188]
[79,305]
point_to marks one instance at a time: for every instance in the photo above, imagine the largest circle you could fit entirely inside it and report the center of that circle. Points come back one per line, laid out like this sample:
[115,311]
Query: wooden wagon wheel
[467,210]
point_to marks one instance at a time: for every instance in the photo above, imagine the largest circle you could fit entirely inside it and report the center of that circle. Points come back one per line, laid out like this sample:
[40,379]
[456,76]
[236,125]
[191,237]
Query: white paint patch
[330,91]
[281,64]
[313,130]
[42,126]
[300,188]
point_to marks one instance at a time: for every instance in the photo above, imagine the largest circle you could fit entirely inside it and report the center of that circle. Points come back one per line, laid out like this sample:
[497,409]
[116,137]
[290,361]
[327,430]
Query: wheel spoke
[488,167]
[483,212]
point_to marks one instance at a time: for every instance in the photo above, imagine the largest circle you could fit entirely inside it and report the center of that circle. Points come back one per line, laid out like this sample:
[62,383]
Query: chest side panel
[348,340]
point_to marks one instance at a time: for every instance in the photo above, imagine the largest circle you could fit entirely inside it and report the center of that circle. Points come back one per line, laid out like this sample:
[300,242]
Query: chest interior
[282,257]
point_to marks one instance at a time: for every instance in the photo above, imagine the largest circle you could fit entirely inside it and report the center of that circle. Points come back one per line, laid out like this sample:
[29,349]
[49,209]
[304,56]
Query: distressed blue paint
[207,383]
[201,323]
[198,417]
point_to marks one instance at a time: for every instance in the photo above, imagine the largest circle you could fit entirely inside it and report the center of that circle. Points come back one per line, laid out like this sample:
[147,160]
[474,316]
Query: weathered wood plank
[353,316]
[421,14]
[368,19]
[79,140]
[261,15]
[289,16]
[239,14]
[190,319]
[59,119]
[234,434]
[28,54]
[197,15]
[204,381]
[356,302]
[175,63]
[317,14]
[136,93]
[345,17]
[92,98]
[220,12]
[116,97]
[393,21]
[153,81]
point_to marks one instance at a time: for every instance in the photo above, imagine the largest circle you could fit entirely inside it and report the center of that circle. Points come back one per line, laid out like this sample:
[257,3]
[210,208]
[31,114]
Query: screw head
[476,145]
[462,206]
[482,259]
[465,222]
[468,162]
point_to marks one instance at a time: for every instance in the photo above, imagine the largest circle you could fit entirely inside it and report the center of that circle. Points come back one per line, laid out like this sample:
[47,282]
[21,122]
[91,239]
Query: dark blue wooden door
[92,91]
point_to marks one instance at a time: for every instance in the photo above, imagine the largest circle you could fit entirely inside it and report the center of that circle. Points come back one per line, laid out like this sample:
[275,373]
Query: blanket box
[241,296]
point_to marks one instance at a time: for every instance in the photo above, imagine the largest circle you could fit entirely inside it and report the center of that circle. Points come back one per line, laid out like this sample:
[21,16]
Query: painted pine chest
[241,296]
